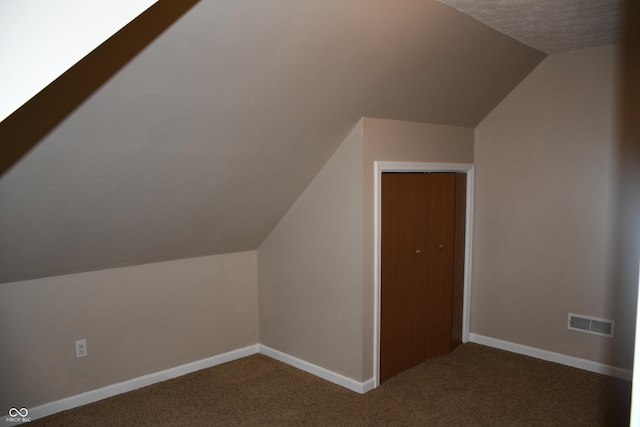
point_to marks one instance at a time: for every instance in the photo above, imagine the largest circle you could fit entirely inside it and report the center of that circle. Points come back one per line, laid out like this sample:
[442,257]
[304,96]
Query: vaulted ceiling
[201,142]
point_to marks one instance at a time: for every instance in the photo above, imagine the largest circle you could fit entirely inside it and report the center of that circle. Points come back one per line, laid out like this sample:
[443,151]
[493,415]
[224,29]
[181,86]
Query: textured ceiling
[550,26]
[204,140]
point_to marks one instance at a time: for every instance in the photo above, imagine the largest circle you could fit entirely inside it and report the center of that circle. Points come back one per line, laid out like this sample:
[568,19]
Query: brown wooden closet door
[417,269]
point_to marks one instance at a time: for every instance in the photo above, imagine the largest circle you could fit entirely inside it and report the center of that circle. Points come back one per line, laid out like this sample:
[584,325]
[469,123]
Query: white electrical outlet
[81,348]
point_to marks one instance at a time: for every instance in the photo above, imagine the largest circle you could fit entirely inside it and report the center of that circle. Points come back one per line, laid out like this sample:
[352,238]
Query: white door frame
[379,168]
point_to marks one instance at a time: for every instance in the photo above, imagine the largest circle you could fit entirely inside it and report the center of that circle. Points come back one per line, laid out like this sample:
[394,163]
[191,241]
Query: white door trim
[379,168]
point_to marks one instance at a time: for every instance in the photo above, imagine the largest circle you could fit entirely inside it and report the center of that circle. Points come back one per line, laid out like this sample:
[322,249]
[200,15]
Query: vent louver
[590,325]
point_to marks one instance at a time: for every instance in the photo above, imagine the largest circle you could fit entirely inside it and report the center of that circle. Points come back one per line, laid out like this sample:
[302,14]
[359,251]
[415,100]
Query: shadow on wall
[627,220]
[27,126]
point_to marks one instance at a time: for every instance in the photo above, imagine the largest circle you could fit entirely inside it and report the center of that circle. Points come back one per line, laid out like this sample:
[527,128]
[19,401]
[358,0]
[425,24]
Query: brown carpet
[473,386]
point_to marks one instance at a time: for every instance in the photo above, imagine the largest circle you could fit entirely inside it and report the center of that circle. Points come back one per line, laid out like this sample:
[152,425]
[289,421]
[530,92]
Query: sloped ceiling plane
[193,129]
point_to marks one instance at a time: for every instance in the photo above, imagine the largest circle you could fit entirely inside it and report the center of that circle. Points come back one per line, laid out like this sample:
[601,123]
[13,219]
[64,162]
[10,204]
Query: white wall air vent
[590,325]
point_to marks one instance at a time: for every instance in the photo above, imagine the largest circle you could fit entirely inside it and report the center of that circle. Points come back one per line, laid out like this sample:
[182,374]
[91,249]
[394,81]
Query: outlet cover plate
[81,348]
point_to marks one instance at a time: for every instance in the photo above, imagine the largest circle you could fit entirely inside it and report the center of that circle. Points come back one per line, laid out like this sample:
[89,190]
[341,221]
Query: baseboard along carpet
[474,385]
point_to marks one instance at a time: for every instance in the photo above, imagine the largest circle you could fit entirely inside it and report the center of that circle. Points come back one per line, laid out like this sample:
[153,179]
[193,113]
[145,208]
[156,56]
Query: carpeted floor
[473,386]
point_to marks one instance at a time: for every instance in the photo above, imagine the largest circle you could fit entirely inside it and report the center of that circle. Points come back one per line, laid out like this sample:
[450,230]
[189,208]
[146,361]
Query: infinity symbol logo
[23,412]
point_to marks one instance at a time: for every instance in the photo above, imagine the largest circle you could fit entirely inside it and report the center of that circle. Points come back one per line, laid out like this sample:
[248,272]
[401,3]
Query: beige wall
[310,269]
[545,208]
[315,270]
[136,320]
[399,141]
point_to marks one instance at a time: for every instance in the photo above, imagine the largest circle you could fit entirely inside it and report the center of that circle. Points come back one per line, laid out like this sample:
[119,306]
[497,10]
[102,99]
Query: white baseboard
[135,383]
[341,380]
[146,380]
[550,356]
[357,386]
